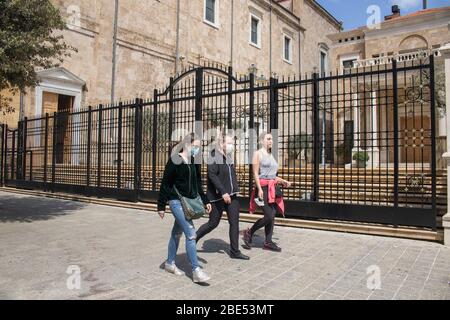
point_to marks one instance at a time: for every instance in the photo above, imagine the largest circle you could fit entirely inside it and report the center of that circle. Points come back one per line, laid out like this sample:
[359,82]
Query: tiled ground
[119,253]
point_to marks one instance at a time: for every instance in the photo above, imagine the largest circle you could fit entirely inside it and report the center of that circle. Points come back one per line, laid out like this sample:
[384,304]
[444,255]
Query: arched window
[412,43]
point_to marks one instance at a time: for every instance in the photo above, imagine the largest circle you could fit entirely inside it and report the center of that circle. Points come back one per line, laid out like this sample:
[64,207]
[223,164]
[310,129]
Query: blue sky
[353,12]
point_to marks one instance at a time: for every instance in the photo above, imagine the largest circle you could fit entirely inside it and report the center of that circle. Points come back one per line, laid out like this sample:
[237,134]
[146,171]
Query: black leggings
[232,210]
[268,221]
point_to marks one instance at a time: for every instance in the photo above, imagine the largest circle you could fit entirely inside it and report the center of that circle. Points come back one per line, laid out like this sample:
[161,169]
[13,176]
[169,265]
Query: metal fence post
[99,146]
[251,138]
[13,154]
[155,137]
[19,151]
[119,148]
[433,134]
[198,101]
[5,159]
[137,146]
[24,148]
[230,98]
[316,143]
[88,152]
[171,97]
[5,166]
[46,152]
[2,158]
[31,166]
[140,147]
[55,135]
[396,151]
[273,104]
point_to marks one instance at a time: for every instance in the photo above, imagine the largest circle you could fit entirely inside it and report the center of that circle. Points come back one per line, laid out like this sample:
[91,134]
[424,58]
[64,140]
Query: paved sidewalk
[119,253]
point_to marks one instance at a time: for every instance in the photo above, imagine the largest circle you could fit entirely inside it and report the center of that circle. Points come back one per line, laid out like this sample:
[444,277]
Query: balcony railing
[410,56]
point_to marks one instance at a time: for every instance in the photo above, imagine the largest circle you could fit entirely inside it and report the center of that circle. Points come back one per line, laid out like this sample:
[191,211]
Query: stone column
[374,152]
[445,51]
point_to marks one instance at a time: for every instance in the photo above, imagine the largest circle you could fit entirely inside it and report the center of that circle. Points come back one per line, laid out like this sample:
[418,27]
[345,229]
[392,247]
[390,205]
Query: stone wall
[317,28]
[146,42]
[424,30]
[397,43]
[348,49]
[9,108]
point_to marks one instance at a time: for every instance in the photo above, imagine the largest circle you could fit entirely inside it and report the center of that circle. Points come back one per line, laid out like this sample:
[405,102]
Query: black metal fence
[359,146]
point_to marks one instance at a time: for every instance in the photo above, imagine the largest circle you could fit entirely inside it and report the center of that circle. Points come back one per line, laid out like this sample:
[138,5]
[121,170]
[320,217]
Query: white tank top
[268,166]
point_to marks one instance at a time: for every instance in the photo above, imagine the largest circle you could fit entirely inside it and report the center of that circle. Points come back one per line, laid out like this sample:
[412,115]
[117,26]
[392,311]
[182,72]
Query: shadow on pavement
[182,262]
[258,238]
[15,208]
[214,245]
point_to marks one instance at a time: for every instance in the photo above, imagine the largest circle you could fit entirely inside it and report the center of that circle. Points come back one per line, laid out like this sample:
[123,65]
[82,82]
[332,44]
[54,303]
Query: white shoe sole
[173,272]
[201,281]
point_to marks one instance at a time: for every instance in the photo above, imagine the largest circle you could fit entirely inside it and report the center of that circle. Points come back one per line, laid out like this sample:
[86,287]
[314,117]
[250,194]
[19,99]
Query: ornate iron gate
[359,146]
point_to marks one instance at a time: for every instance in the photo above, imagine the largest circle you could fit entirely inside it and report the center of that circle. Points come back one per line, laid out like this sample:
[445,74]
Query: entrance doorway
[348,140]
[63,104]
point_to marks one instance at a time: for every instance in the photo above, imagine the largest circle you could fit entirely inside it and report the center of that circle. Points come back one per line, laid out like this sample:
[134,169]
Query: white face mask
[229,148]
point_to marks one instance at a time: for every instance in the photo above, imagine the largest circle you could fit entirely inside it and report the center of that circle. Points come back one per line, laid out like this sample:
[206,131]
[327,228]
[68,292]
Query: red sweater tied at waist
[271,195]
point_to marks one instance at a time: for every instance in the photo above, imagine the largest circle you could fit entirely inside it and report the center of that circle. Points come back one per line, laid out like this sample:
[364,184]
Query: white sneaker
[172,268]
[200,276]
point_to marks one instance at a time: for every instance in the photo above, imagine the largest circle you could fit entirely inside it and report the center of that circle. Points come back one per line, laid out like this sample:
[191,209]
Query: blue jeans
[182,225]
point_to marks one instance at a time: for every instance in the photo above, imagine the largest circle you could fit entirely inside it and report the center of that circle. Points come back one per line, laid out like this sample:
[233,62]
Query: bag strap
[189,168]
[179,194]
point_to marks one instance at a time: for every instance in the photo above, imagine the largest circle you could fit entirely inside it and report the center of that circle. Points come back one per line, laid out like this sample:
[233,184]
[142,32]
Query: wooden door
[49,105]
[65,107]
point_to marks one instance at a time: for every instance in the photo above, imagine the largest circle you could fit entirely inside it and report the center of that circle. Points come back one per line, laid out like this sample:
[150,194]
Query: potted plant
[361,158]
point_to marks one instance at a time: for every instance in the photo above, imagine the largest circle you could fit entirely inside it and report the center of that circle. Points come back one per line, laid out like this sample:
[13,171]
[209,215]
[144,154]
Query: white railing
[410,56]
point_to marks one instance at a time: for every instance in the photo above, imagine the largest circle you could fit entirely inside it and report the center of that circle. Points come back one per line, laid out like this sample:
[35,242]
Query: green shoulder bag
[192,208]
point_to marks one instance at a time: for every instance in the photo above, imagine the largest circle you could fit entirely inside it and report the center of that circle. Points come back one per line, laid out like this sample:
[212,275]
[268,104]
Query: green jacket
[178,175]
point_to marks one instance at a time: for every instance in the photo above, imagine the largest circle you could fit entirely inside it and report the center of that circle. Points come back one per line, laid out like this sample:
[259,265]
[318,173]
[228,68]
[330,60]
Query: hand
[287,184]
[226,197]
[208,208]
[161,214]
[261,194]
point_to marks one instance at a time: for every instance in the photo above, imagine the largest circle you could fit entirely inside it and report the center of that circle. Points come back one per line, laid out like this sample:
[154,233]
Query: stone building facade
[422,30]
[155,39]
[368,117]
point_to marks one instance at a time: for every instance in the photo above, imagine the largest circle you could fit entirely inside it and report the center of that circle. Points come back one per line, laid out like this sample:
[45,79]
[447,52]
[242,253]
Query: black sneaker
[247,239]
[239,255]
[271,246]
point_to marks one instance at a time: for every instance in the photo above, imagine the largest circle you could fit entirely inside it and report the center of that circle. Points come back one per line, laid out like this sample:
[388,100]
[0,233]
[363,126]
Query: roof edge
[325,12]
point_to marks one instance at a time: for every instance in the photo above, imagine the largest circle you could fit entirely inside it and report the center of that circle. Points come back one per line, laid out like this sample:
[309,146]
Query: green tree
[29,40]
[5,105]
